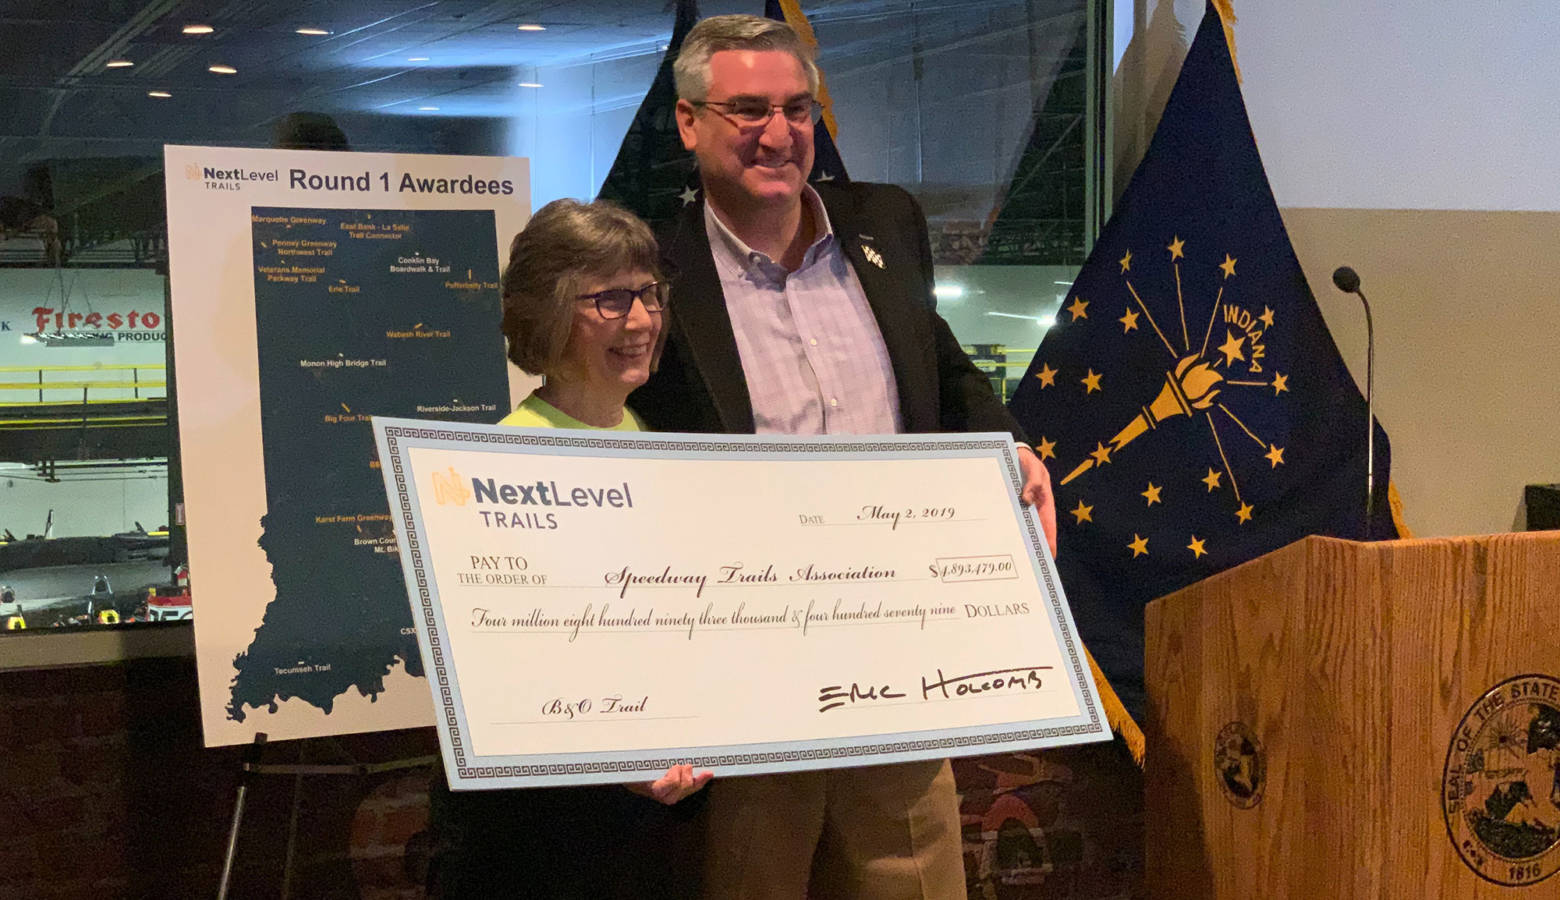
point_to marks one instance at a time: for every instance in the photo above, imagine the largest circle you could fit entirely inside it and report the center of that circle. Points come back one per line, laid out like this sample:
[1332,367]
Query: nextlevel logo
[448,489]
[228,179]
[545,494]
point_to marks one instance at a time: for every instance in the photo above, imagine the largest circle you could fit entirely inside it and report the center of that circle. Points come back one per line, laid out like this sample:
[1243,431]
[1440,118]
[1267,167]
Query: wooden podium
[1350,720]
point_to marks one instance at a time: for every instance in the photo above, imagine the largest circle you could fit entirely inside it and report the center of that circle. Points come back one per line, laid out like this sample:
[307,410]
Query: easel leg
[292,827]
[251,760]
[253,768]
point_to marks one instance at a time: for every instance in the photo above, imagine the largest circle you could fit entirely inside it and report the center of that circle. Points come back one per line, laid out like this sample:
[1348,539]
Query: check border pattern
[963,745]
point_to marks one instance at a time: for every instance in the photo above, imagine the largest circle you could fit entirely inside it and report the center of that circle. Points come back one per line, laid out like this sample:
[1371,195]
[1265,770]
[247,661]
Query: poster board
[310,291]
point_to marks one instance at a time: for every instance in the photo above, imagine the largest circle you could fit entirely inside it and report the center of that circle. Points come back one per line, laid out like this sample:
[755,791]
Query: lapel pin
[872,255]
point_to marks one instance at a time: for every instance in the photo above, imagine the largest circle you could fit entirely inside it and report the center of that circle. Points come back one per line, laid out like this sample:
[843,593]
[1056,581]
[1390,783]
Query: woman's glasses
[615,303]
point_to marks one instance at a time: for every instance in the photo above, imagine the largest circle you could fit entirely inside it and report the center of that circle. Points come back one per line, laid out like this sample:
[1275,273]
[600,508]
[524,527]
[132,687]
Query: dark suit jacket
[699,385]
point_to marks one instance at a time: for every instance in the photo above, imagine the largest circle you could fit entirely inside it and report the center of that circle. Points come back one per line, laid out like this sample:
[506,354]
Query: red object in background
[169,603]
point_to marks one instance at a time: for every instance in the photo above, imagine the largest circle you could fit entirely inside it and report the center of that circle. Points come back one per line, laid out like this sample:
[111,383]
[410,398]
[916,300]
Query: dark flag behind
[1190,403]
[653,175]
[827,165]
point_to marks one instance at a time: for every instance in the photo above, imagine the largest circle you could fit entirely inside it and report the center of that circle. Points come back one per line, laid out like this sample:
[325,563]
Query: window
[987,111]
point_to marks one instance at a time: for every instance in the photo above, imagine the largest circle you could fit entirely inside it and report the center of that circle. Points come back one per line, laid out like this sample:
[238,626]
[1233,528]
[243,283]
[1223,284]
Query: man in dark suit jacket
[699,385]
[797,311]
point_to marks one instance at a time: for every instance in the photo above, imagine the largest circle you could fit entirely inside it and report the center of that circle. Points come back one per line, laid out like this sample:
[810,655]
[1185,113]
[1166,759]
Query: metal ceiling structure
[973,104]
[83,140]
[58,97]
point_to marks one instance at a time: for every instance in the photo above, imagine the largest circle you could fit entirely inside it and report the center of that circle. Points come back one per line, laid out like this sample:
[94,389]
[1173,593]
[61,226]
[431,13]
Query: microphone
[1348,281]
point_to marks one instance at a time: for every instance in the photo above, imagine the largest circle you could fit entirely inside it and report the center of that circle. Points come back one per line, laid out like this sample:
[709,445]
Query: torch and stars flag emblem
[1190,404]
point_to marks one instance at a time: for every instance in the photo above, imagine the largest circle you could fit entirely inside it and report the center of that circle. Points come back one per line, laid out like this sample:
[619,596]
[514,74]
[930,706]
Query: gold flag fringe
[1226,11]
[1116,714]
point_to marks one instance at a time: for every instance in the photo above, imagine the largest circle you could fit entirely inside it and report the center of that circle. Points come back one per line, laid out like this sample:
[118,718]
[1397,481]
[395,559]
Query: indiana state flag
[1190,404]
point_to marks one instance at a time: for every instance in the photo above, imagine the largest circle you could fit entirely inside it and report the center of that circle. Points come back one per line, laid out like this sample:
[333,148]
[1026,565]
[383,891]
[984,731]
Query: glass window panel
[978,108]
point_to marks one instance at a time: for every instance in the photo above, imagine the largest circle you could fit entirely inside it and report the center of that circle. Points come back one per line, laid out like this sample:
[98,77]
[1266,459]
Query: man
[798,311]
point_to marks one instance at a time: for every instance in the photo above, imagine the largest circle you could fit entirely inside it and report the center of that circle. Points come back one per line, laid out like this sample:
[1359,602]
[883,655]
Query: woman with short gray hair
[584,304]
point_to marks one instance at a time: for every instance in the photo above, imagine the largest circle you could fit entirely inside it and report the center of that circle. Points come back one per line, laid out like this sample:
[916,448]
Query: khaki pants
[873,833]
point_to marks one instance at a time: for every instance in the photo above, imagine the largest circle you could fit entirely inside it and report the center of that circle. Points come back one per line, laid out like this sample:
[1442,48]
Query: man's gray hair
[566,245]
[735,32]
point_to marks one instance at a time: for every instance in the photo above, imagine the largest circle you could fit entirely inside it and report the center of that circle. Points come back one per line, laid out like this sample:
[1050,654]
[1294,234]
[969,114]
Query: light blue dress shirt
[811,351]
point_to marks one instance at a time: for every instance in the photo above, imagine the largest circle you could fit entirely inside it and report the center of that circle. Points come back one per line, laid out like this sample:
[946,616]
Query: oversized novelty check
[596,607]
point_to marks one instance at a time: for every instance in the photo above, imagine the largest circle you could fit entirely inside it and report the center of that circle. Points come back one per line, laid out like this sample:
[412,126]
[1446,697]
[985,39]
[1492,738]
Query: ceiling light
[533,27]
[160,95]
[530,84]
[1044,321]
[417,59]
[222,70]
[428,108]
[198,29]
[119,64]
[313,32]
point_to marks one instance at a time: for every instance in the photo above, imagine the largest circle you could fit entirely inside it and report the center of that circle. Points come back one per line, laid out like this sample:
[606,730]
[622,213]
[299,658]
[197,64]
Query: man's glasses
[615,303]
[755,112]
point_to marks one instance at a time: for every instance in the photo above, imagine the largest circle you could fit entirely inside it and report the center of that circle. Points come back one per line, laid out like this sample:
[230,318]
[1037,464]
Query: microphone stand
[1348,281]
[1370,413]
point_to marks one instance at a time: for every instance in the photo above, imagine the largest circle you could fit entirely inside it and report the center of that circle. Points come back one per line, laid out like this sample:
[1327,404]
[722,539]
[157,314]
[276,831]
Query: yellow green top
[534,412]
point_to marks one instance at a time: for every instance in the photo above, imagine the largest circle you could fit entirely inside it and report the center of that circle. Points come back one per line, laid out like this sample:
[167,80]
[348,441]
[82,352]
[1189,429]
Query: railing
[147,378]
[997,361]
[144,382]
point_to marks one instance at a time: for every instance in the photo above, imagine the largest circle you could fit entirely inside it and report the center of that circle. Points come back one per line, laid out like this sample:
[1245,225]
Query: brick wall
[106,792]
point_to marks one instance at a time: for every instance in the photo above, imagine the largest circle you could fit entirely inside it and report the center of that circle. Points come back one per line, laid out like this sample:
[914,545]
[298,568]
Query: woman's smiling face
[611,354]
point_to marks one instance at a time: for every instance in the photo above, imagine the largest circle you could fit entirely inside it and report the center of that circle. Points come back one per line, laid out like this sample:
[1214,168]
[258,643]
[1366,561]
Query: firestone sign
[135,325]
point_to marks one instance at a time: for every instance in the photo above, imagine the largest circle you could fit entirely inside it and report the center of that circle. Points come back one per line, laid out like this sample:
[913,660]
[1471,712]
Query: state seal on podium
[1501,783]
[1240,764]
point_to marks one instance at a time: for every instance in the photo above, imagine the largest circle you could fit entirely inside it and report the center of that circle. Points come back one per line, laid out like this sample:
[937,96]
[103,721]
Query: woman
[584,302]
[583,306]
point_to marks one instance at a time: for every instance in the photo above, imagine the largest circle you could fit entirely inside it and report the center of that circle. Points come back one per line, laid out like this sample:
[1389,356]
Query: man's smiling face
[745,166]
